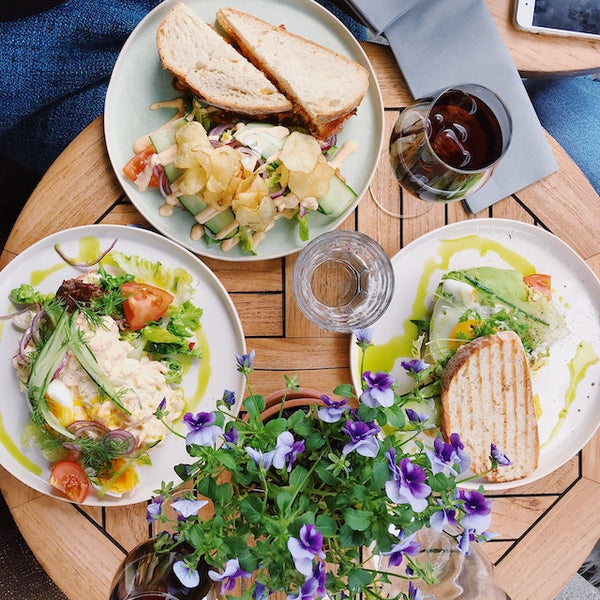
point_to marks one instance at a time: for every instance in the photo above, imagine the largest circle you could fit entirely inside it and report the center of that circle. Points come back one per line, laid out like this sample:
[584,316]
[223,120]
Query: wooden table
[545,529]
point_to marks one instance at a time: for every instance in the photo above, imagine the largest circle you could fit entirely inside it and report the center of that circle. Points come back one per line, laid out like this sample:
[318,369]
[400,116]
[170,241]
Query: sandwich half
[487,398]
[206,64]
[324,86]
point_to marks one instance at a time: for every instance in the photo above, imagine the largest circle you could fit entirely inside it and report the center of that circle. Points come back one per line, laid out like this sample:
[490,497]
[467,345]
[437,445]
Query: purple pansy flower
[478,510]
[500,457]
[407,483]
[320,575]
[305,548]
[363,336]
[413,592]
[464,541]
[189,577]
[187,507]
[287,449]
[441,518]
[201,430]
[333,409]
[244,361]
[441,456]
[464,460]
[153,510]
[230,574]
[308,591]
[231,436]
[363,438]
[260,458]
[414,416]
[406,546]
[379,390]
[229,397]
[415,365]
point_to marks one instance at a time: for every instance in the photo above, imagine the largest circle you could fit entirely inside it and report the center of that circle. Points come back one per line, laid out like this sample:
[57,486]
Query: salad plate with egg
[473,279]
[104,329]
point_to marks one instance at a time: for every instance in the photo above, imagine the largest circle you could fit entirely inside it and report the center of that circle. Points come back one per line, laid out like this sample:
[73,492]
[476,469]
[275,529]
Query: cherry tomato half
[145,303]
[540,284]
[70,479]
[137,163]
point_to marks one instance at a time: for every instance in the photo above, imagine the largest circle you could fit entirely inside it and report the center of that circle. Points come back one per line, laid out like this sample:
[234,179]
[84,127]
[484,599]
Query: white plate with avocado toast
[565,383]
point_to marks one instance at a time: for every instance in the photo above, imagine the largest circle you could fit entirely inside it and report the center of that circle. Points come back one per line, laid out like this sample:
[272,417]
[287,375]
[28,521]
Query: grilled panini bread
[205,63]
[487,398]
[324,86]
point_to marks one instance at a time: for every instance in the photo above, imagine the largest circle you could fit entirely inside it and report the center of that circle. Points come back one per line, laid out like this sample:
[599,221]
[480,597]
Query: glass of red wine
[445,147]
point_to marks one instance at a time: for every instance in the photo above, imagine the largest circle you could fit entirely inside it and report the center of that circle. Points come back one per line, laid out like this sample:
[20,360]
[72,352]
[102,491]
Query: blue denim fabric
[569,109]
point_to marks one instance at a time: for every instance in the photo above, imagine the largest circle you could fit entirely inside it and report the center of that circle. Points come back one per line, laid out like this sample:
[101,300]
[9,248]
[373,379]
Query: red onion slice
[78,428]
[122,435]
[74,263]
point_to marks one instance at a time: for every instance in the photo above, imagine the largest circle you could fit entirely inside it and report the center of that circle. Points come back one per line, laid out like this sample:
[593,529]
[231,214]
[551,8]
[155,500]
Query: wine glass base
[426,207]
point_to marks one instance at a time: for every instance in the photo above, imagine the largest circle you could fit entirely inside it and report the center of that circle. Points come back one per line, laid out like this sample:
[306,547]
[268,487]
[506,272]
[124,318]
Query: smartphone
[574,18]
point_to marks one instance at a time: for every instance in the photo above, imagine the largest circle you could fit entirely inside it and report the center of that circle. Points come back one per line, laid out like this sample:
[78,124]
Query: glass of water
[343,280]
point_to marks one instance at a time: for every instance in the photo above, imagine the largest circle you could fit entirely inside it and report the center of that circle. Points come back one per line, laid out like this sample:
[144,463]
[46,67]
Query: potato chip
[259,218]
[314,184]
[300,152]
[193,181]
[226,165]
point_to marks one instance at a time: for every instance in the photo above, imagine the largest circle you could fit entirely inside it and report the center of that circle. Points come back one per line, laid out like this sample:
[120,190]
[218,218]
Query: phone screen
[570,15]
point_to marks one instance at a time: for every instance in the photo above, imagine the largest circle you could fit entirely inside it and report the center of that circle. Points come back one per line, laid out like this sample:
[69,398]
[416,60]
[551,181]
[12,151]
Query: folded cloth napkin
[438,44]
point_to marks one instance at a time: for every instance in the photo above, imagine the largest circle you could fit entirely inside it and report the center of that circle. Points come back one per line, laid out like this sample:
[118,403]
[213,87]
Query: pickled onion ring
[74,263]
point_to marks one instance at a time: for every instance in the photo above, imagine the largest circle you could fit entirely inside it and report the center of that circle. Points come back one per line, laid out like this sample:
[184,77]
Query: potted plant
[325,501]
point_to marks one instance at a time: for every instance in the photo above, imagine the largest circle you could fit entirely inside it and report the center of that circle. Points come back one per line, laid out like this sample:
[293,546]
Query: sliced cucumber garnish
[339,197]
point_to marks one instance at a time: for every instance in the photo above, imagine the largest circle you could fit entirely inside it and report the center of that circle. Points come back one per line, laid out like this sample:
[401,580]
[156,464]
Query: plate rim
[374,92]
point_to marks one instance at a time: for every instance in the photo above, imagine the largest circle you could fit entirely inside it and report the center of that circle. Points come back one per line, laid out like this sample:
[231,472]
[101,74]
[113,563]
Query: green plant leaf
[326,525]
[251,508]
[358,520]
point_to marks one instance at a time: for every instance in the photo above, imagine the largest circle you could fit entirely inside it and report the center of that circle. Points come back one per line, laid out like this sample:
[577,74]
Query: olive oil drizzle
[381,357]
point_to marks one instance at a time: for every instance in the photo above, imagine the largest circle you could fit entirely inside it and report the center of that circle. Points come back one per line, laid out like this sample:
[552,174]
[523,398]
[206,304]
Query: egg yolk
[63,414]
[125,482]
[463,332]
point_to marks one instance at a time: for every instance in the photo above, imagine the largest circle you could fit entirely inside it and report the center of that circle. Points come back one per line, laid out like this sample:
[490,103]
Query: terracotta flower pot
[293,399]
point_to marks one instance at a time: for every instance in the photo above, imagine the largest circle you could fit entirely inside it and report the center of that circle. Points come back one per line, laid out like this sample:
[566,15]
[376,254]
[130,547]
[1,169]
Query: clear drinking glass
[458,576]
[445,147]
[343,280]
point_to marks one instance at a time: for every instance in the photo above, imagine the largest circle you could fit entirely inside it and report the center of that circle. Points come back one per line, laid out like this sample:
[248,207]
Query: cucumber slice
[162,139]
[264,138]
[339,197]
[194,205]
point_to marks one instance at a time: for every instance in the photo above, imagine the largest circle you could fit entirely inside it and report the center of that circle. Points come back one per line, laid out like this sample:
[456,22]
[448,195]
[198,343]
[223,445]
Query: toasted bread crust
[487,398]
[205,63]
[324,86]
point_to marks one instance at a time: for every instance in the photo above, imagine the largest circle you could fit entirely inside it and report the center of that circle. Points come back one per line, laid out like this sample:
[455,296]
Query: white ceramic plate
[221,339]
[507,244]
[139,80]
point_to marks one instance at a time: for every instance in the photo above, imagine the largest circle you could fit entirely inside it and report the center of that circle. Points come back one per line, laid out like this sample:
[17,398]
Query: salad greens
[56,360]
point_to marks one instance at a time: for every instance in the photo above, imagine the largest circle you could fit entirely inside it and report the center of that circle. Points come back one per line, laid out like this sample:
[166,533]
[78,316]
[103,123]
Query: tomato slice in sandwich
[145,303]
[70,478]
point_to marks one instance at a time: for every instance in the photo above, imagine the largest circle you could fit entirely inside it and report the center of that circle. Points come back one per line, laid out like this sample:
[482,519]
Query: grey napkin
[380,14]
[438,43]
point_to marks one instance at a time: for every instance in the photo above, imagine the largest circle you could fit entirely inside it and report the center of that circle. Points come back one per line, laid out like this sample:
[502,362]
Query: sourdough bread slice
[205,63]
[487,398]
[324,86]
